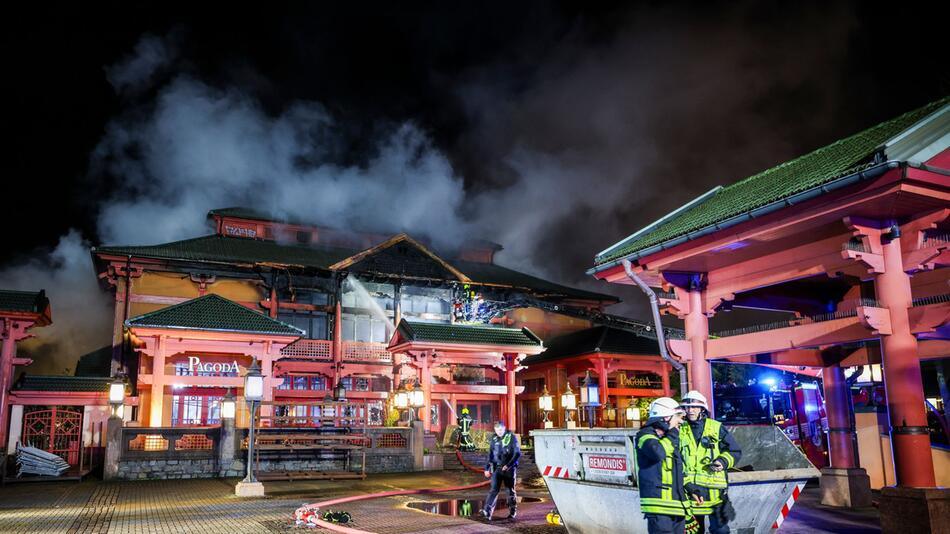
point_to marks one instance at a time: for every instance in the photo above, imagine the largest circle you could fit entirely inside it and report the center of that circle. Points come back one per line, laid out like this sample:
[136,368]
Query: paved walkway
[209,506]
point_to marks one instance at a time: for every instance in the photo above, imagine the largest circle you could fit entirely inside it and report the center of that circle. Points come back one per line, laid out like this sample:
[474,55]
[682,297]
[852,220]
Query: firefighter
[659,469]
[503,455]
[465,431]
[708,450]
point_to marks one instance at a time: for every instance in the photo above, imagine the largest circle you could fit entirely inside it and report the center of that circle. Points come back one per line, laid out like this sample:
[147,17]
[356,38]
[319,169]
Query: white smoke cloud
[82,313]
[203,148]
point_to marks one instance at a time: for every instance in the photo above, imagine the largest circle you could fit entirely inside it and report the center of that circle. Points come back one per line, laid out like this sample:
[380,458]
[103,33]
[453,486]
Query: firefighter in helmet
[659,469]
[465,431]
[709,450]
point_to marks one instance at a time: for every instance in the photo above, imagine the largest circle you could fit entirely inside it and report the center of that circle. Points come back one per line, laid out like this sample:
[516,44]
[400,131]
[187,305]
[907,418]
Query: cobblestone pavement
[209,506]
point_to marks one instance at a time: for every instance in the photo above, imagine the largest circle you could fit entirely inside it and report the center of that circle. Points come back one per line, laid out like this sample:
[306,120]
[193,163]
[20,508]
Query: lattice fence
[194,442]
[391,440]
[148,442]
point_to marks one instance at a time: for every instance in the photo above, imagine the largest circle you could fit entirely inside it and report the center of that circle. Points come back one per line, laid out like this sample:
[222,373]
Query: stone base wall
[173,453]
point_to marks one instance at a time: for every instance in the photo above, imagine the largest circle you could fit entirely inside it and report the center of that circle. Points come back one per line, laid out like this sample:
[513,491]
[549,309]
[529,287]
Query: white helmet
[695,398]
[664,407]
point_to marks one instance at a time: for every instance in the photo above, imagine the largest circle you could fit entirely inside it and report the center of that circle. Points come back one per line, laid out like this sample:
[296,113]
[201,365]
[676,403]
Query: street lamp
[546,403]
[401,400]
[610,412]
[590,398]
[117,395]
[417,398]
[228,406]
[633,411]
[253,395]
[568,402]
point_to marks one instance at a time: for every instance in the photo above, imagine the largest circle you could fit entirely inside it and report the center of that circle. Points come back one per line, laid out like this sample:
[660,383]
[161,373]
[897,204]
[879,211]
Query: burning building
[317,307]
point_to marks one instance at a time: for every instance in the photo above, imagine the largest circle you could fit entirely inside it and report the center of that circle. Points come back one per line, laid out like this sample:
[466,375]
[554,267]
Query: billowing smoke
[82,313]
[557,159]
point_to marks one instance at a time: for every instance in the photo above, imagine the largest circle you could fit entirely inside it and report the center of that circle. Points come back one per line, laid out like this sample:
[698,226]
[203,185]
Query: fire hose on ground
[316,521]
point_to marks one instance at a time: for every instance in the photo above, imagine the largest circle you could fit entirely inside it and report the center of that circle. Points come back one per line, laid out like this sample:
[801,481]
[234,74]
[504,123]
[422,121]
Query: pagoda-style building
[317,307]
[854,240]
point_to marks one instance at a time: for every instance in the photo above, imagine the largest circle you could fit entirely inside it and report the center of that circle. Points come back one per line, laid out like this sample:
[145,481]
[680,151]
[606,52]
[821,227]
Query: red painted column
[910,439]
[697,332]
[337,340]
[7,352]
[665,377]
[601,367]
[511,361]
[837,400]
[426,381]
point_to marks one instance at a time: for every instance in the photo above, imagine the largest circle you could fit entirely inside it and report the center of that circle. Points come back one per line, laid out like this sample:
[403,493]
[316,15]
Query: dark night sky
[564,127]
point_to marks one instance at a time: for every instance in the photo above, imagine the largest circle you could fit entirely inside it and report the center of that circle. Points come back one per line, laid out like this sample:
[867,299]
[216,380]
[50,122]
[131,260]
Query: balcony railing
[322,350]
[846,308]
[366,352]
[310,349]
[935,299]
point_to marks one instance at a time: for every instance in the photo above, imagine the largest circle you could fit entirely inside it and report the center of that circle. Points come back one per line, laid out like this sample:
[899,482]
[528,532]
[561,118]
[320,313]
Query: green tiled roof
[467,334]
[234,250]
[240,251]
[817,168]
[212,312]
[62,383]
[592,340]
[23,301]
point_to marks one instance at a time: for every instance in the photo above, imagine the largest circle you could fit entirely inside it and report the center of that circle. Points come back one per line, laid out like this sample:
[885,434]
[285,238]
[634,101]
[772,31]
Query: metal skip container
[590,475]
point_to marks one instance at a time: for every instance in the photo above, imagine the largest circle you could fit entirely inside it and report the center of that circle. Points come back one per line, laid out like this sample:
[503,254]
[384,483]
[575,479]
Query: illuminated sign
[607,463]
[240,231]
[640,380]
[196,366]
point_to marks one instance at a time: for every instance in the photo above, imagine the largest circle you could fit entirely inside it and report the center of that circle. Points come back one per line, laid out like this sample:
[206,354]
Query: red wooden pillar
[337,340]
[511,362]
[837,404]
[665,369]
[273,303]
[601,367]
[910,437]
[7,352]
[697,332]
[426,381]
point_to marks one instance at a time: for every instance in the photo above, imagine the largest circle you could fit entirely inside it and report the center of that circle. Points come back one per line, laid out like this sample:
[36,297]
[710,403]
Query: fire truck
[797,408]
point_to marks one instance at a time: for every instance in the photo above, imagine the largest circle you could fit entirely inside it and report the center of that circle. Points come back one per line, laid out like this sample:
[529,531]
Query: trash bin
[590,475]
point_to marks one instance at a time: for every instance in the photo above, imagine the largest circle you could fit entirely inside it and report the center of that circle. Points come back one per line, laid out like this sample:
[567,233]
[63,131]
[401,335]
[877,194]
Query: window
[196,410]
[314,323]
[303,383]
[355,383]
[363,328]
[426,304]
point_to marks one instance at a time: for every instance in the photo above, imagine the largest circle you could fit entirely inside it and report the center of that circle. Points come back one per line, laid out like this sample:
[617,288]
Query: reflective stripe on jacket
[659,471]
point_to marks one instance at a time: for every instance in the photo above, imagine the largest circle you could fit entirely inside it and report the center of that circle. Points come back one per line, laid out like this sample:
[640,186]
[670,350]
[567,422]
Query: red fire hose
[333,527]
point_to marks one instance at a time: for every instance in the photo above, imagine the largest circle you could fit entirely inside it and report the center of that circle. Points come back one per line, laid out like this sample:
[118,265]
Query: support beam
[511,365]
[697,332]
[910,437]
[156,403]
